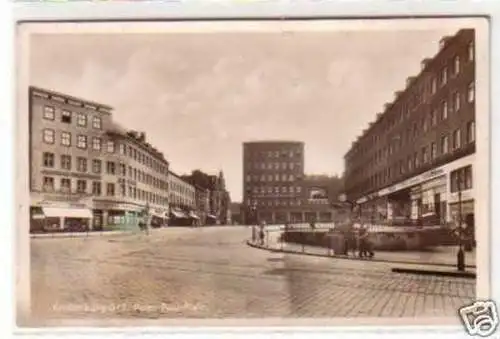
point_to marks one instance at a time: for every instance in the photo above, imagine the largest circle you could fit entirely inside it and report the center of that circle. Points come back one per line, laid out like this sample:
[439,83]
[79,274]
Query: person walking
[261,232]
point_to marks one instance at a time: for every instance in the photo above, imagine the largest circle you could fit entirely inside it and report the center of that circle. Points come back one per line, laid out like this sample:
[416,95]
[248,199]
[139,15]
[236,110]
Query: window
[81,164]
[96,166]
[456,101]
[81,120]
[444,110]
[416,162]
[48,184]
[96,188]
[49,113]
[456,65]
[433,151]
[96,122]
[66,139]
[471,131]
[433,85]
[470,92]
[444,76]
[123,190]
[123,170]
[461,179]
[48,159]
[123,149]
[110,189]
[470,51]
[110,167]
[81,186]
[434,118]
[425,155]
[66,117]
[456,139]
[48,136]
[410,164]
[276,177]
[96,144]
[65,185]
[66,162]
[444,145]
[111,146]
[249,178]
[81,141]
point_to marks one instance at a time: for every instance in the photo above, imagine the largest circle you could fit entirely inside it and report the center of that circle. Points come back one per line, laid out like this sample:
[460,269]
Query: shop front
[53,213]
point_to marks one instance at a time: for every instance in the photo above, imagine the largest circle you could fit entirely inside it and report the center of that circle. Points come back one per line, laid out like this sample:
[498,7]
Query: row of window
[461,179]
[427,88]
[180,200]
[424,156]
[276,154]
[49,137]
[426,124]
[143,158]
[276,202]
[82,188]
[49,113]
[49,160]
[275,166]
[276,189]
[270,178]
[182,189]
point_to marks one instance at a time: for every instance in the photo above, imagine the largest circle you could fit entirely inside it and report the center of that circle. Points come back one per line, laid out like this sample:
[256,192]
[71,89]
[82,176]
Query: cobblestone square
[212,273]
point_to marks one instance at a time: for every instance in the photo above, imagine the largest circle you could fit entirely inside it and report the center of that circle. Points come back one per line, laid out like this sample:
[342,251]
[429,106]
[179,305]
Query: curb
[275,250]
[79,235]
[455,274]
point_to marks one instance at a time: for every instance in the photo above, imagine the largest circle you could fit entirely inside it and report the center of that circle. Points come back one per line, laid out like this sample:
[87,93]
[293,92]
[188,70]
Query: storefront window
[461,178]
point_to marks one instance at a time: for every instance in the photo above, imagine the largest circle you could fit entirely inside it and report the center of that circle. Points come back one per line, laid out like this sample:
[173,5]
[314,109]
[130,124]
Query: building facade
[182,201]
[410,163]
[202,204]
[75,172]
[218,197]
[275,188]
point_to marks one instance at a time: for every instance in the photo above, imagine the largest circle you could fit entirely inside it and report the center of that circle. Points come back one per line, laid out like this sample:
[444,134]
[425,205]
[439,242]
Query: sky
[199,96]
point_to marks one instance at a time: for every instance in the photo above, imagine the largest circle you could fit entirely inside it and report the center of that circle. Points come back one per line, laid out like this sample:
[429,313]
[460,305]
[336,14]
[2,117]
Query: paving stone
[206,273]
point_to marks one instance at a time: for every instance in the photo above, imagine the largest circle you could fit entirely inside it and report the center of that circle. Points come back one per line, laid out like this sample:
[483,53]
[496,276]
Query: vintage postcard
[318,172]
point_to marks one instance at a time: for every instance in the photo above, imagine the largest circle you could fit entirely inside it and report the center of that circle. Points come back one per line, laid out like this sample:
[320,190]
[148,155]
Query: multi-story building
[202,203]
[75,173]
[414,158]
[275,188]
[182,201]
[218,197]
[137,176]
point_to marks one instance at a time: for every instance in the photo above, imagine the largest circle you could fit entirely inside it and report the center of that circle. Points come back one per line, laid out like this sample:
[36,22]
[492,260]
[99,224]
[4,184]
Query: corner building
[275,189]
[85,172]
[410,163]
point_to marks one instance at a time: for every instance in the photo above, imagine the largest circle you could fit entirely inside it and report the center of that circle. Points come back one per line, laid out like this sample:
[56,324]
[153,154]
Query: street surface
[211,273]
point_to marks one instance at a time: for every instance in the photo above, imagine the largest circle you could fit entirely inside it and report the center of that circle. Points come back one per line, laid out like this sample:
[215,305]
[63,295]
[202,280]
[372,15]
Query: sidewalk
[439,256]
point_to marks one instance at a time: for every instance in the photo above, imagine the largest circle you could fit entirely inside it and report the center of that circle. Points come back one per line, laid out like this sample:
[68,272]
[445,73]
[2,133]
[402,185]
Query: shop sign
[466,195]
[413,181]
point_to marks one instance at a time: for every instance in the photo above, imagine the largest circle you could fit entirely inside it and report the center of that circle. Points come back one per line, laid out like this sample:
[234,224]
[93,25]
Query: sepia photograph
[316,172]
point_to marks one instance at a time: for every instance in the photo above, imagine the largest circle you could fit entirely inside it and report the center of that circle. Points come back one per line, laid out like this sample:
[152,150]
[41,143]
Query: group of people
[358,241]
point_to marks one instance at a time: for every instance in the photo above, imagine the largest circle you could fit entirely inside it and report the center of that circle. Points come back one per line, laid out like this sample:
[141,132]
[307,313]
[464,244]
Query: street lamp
[460,254]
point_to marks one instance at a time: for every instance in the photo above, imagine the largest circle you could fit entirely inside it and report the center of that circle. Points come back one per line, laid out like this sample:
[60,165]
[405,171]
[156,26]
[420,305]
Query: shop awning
[193,215]
[211,216]
[67,212]
[158,215]
[178,214]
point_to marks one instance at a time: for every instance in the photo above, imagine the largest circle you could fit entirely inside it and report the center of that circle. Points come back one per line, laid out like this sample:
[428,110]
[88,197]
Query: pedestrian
[261,232]
[365,246]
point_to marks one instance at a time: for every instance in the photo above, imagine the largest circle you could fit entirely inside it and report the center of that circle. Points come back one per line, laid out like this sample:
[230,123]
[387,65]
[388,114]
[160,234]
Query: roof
[70,97]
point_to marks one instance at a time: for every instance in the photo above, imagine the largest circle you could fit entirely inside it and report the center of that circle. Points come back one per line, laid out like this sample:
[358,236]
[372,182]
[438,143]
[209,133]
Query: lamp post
[460,254]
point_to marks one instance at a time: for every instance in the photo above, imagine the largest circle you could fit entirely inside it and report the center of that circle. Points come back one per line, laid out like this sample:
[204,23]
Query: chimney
[425,62]
[444,41]
[409,80]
